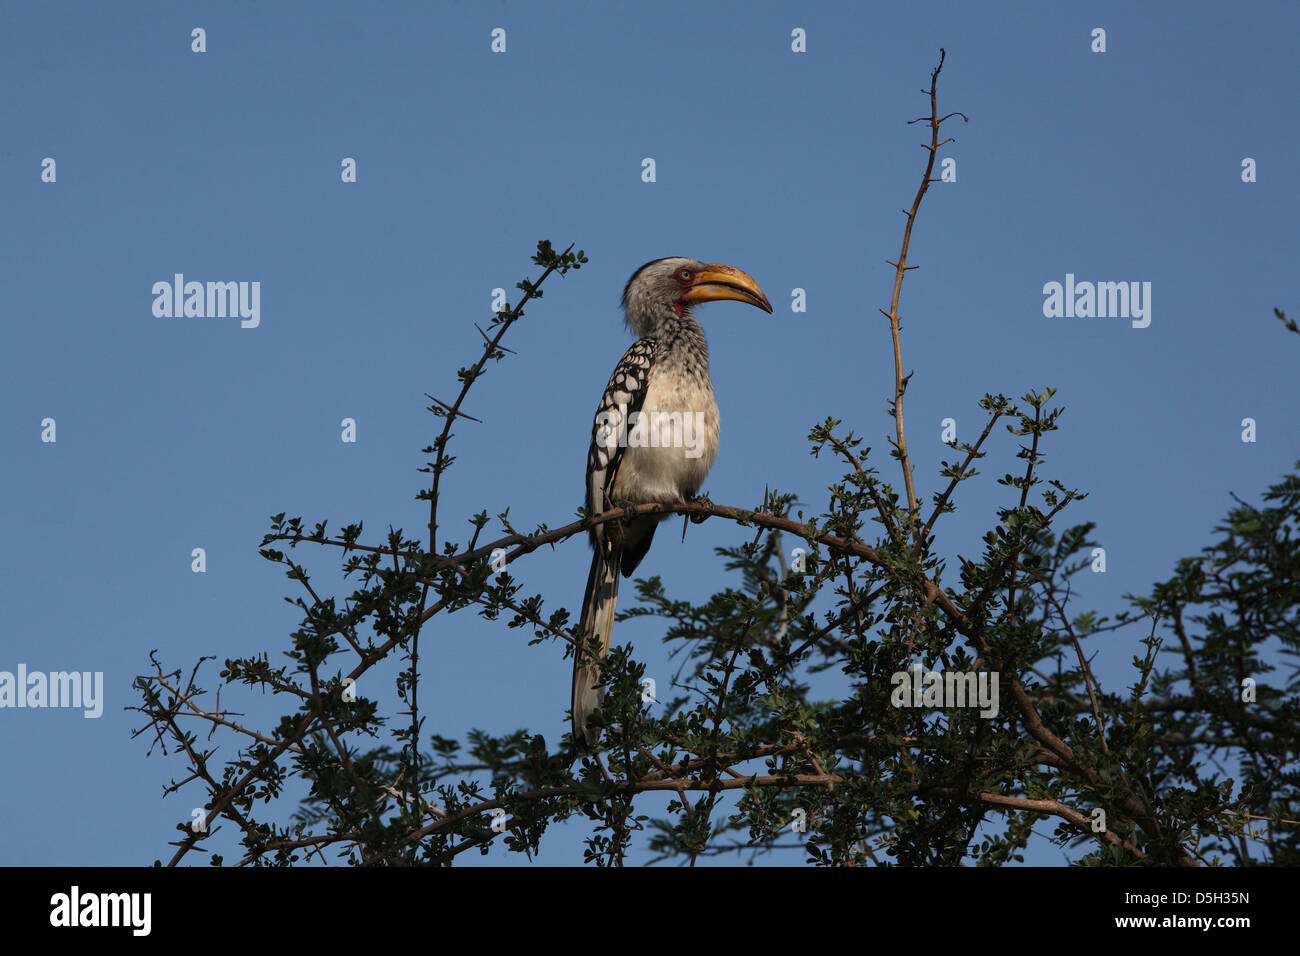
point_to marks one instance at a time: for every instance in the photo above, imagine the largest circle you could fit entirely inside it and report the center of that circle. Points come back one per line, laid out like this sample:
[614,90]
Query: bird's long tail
[597,621]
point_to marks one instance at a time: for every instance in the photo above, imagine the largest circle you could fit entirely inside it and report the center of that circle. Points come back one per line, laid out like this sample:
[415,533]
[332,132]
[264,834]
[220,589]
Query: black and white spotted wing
[624,396]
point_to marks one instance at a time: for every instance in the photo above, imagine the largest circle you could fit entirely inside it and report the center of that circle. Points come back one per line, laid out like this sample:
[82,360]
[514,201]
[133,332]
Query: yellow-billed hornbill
[654,438]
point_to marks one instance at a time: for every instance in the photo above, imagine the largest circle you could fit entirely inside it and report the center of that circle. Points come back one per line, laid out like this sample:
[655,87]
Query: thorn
[456,413]
[489,341]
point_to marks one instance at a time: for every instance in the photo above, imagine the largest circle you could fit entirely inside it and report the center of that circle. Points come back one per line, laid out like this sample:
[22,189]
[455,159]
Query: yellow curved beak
[716,281]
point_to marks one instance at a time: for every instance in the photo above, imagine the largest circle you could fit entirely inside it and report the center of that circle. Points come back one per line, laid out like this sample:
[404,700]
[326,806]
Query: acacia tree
[751,761]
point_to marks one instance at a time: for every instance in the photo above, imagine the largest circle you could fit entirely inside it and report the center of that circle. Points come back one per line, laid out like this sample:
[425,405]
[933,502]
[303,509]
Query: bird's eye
[684,275]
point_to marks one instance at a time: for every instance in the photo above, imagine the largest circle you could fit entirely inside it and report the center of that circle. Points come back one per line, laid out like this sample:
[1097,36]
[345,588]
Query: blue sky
[177,433]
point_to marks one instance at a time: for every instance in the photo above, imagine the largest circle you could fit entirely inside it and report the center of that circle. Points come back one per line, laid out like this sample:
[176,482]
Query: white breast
[673,443]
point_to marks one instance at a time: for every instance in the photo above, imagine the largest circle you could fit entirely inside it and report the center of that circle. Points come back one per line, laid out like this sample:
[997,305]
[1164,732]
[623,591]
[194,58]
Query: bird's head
[666,287]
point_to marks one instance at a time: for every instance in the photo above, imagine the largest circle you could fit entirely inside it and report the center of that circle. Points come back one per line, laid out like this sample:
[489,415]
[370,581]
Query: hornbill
[654,438]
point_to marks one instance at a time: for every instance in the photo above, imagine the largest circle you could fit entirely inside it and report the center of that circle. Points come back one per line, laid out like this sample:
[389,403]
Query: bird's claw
[699,517]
